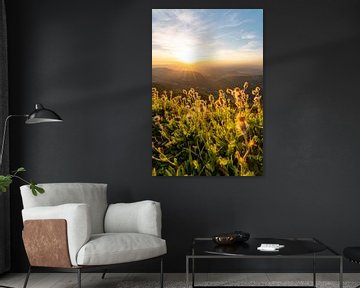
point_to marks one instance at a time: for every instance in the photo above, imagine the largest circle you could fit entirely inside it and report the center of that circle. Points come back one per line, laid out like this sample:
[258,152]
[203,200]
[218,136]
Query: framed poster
[207,92]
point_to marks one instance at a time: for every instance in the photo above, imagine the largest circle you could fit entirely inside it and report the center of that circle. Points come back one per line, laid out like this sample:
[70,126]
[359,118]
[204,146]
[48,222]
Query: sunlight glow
[197,36]
[182,47]
[185,55]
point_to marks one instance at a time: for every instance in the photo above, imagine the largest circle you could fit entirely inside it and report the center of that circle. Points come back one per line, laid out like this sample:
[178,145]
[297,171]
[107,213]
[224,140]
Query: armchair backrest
[55,194]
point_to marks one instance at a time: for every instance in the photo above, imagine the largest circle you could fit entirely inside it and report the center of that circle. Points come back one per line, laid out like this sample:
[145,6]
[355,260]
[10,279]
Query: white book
[270,247]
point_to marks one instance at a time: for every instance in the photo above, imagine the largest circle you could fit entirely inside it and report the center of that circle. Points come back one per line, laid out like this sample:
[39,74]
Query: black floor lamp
[39,115]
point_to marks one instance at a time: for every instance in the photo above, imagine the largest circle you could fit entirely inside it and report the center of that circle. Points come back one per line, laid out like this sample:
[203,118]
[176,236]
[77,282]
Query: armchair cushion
[113,248]
[78,221]
[92,194]
[138,217]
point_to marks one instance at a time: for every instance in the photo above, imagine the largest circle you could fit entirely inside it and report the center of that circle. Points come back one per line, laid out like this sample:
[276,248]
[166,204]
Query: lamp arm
[4,134]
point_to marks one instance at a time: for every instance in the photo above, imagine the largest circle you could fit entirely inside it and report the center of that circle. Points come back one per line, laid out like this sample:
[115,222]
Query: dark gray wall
[4,166]
[91,61]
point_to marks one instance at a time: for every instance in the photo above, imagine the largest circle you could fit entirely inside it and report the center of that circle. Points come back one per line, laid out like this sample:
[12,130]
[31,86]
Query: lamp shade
[42,115]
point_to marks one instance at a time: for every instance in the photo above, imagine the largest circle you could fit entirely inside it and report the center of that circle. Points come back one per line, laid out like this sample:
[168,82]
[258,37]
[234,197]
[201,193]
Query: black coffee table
[295,248]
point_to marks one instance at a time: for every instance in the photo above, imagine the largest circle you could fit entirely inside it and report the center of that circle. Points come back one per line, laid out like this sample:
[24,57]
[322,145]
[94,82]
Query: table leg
[193,267]
[193,272]
[341,273]
[314,271]
[187,272]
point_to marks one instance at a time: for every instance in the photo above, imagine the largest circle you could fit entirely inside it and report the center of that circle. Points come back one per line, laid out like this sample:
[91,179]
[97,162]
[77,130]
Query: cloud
[204,34]
[185,16]
[249,36]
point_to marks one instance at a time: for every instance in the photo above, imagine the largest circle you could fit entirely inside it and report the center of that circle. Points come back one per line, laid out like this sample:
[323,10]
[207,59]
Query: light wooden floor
[113,280]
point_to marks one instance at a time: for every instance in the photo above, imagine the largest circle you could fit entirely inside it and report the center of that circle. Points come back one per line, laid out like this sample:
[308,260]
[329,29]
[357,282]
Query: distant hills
[181,79]
[177,80]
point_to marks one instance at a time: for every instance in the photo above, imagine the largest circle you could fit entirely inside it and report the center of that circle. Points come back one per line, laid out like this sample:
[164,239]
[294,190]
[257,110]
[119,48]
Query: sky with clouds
[207,35]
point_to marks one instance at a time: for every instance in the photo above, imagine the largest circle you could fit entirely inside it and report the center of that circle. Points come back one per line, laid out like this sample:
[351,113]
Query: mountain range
[177,80]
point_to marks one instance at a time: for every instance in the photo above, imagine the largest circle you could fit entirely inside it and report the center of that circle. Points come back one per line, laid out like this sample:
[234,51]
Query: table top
[292,247]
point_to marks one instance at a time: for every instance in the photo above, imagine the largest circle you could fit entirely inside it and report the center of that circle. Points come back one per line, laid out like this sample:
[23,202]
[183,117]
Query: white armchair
[72,228]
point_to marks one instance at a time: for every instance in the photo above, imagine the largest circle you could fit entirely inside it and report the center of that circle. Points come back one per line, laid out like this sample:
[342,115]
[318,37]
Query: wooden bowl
[225,239]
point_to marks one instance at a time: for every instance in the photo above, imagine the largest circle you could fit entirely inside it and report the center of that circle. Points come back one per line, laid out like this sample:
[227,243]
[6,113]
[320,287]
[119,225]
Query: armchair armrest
[138,217]
[78,223]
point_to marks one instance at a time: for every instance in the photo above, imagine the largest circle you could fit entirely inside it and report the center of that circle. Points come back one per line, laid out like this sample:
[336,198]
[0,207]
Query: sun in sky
[191,36]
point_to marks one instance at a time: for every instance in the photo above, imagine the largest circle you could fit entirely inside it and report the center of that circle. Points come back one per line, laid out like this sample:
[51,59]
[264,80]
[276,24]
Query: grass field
[214,135]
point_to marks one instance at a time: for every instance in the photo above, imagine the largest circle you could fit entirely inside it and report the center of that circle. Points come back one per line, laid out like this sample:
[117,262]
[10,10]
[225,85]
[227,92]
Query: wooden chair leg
[27,277]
